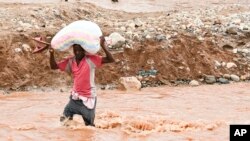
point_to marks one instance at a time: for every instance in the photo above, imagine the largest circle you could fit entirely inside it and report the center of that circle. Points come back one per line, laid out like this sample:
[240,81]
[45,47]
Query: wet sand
[165,113]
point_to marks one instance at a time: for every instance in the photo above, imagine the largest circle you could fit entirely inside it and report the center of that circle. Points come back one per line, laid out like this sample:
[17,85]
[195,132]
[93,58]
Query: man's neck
[79,60]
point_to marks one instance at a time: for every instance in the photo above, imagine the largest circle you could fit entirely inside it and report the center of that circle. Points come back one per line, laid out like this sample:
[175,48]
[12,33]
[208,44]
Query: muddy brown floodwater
[163,113]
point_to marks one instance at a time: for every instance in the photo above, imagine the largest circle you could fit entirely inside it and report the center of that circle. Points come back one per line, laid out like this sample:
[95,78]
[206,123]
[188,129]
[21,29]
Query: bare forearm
[109,57]
[53,64]
[108,54]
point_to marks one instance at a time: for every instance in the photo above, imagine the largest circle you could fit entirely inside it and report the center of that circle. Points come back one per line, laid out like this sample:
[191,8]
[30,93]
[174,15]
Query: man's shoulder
[95,59]
[93,55]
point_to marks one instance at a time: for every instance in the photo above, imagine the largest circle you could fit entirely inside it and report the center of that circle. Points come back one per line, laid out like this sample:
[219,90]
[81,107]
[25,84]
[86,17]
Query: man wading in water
[82,99]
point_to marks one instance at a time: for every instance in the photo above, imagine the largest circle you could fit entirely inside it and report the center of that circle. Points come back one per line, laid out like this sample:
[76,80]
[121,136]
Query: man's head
[79,52]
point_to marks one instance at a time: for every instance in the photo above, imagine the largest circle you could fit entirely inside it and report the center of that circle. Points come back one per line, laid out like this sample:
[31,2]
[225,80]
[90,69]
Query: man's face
[79,52]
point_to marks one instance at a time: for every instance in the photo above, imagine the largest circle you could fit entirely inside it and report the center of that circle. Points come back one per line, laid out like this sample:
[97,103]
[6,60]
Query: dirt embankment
[180,57]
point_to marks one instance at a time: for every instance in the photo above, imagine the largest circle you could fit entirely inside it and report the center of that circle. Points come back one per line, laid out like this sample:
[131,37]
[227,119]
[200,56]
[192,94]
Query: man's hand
[51,50]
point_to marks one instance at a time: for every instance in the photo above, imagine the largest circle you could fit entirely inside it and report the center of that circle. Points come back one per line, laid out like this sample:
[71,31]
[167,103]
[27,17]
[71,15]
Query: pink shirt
[83,75]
